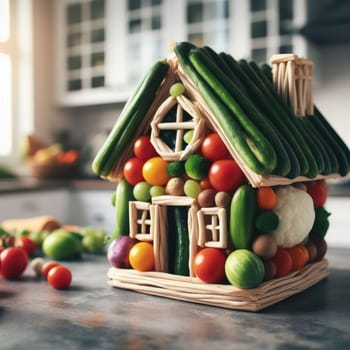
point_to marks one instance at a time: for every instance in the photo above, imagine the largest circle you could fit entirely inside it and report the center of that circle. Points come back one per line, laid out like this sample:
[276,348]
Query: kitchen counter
[93,315]
[29,184]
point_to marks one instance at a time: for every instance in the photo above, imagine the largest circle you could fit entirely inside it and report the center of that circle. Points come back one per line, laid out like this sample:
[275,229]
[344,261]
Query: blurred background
[68,66]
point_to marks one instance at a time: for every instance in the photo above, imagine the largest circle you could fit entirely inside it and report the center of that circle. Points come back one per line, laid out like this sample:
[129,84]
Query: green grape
[188,136]
[176,89]
[192,188]
[156,191]
[141,191]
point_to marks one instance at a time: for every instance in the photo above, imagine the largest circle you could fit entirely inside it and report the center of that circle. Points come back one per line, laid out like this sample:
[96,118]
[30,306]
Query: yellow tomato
[154,171]
[141,256]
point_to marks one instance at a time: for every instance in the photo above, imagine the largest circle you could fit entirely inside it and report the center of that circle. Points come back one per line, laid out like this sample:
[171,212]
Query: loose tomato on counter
[59,277]
[13,262]
[26,243]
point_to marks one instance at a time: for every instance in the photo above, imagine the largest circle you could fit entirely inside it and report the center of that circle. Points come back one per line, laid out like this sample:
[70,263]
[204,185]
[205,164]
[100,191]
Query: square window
[257,5]
[259,29]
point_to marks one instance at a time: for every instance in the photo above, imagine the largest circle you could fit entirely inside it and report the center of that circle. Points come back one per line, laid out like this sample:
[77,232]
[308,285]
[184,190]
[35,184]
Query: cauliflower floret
[296,216]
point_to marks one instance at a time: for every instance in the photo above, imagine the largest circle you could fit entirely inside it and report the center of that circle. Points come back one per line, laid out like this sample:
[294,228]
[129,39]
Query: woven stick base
[227,296]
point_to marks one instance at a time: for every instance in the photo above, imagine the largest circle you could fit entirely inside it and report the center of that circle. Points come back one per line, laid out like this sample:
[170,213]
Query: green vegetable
[178,240]
[142,192]
[124,194]
[321,223]
[243,143]
[129,119]
[197,167]
[244,269]
[93,240]
[177,89]
[176,168]
[62,245]
[256,107]
[266,221]
[283,118]
[242,217]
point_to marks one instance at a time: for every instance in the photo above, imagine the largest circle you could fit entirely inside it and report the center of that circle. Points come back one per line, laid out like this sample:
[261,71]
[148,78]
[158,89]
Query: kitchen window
[16,92]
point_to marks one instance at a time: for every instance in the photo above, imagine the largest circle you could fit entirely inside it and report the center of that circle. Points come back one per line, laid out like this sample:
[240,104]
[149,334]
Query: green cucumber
[234,88]
[178,240]
[129,119]
[333,141]
[227,122]
[242,217]
[329,159]
[123,195]
[287,120]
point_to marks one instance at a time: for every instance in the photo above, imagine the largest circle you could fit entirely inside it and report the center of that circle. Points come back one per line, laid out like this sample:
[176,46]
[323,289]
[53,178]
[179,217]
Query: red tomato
[283,262]
[59,277]
[213,148]
[209,265]
[143,149]
[13,262]
[48,266]
[133,171]
[26,243]
[225,175]
[318,192]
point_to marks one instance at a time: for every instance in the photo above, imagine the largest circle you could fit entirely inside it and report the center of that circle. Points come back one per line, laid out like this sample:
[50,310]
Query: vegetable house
[221,168]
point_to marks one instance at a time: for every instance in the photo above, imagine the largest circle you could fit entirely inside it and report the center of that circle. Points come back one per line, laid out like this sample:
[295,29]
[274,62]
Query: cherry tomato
[225,175]
[283,262]
[133,171]
[155,172]
[14,261]
[59,277]
[141,256]
[266,198]
[143,148]
[299,258]
[213,148]
[26,243]
[205,183]
[209,265]
[318,192]
[48,266]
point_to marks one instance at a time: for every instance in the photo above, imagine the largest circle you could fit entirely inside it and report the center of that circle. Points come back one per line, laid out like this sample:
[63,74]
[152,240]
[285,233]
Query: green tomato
[62,245]
[141,191]
[157,191]
[192,188]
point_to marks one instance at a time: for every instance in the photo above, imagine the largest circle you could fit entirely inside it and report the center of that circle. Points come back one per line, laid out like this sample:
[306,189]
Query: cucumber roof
[264,115]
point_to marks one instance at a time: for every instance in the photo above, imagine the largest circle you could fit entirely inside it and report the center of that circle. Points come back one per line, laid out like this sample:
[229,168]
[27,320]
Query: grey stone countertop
[93,315]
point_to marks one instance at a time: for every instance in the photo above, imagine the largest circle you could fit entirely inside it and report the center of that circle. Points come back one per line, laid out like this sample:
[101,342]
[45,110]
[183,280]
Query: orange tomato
[141,256]
[266,198]
[298,256]
[154,171]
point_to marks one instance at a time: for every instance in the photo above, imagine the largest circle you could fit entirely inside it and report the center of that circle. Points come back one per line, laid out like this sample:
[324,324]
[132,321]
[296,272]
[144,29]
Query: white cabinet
[92,208]
[105,46]
[23,205]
